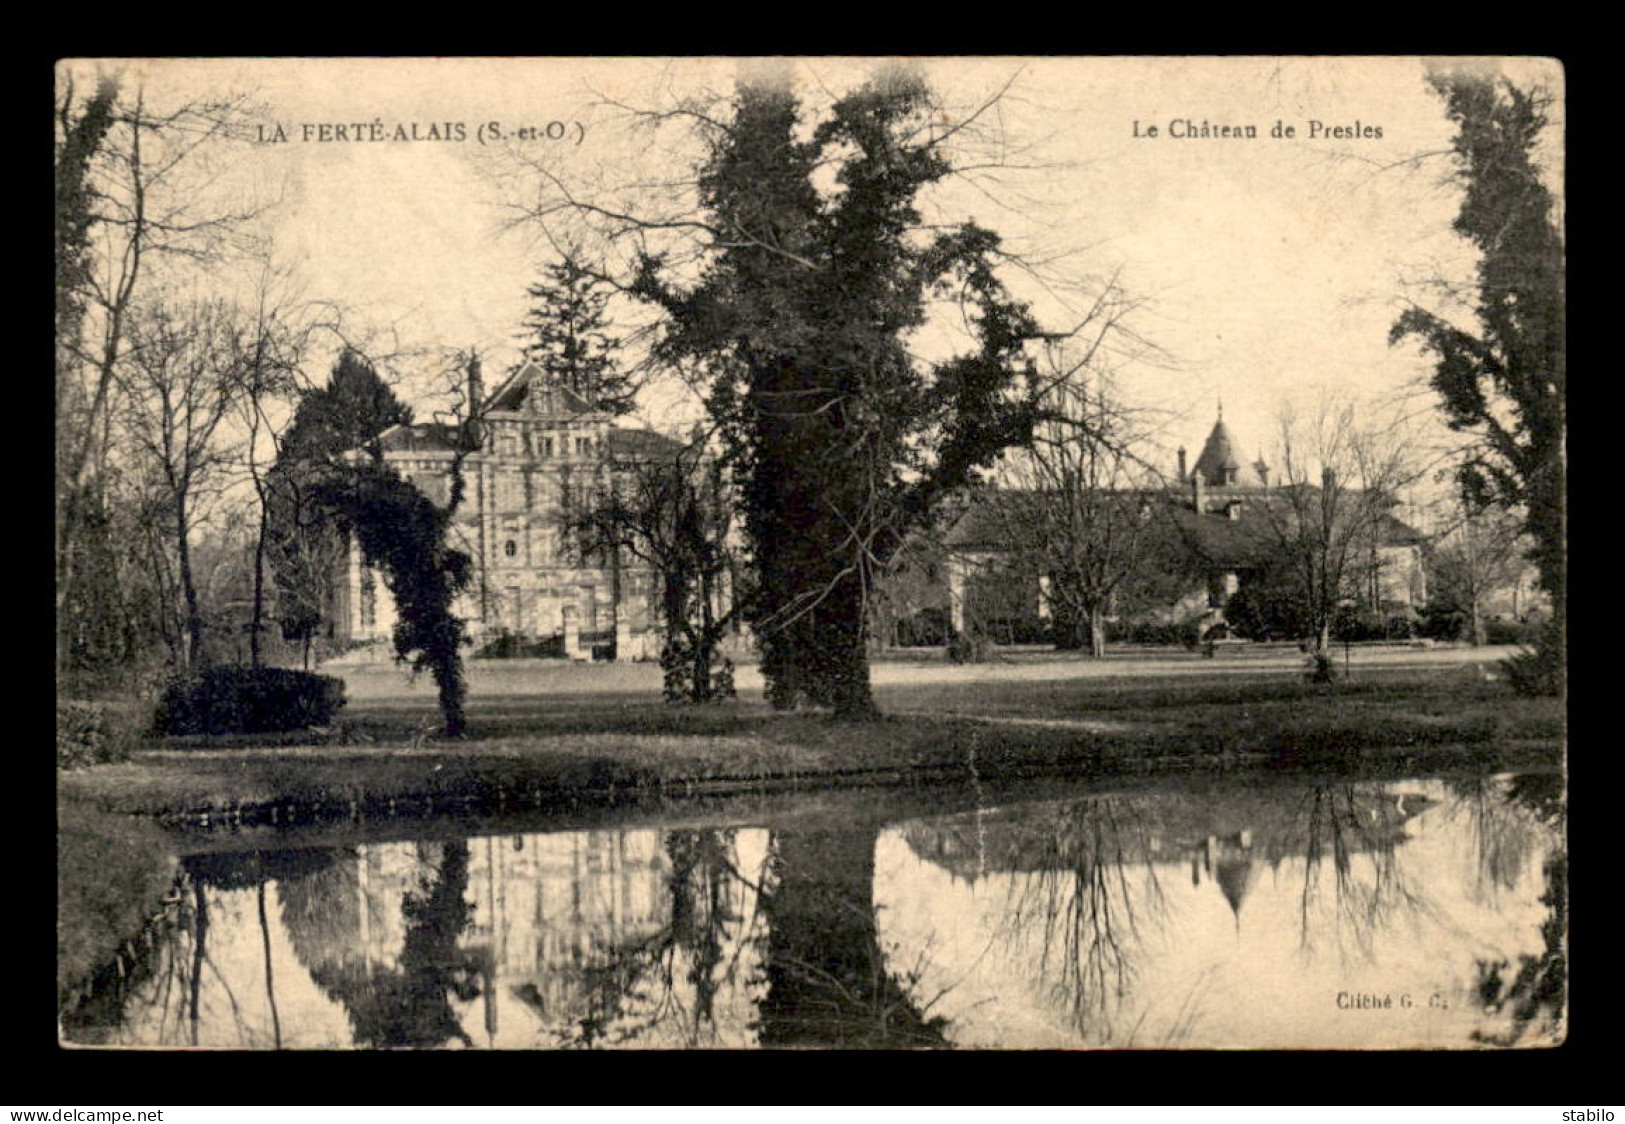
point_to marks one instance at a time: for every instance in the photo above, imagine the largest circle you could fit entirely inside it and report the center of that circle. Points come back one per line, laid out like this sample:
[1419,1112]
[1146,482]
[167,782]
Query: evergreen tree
[567,334]
[399,530]
[348,413]
[1504,383]
[842,439]
[305,547]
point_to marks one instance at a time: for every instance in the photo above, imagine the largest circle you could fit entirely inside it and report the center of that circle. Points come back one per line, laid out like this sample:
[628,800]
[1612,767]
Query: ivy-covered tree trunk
[842,440]
[403,532]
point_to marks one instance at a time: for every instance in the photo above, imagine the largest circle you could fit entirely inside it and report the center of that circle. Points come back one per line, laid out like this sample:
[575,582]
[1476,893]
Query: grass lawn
[567,747]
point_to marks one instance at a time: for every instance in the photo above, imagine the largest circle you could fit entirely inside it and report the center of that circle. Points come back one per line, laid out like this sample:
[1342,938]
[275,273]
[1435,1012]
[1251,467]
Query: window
[507,443]
[510,491]
[547,447]
[510,548]
[583,445]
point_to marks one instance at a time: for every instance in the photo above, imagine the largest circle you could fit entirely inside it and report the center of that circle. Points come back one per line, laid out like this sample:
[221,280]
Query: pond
[1427,912]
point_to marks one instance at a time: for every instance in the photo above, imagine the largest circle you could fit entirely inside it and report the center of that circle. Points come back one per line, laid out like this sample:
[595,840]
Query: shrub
[92,733]
[1539,670]
[969,647]
[929,628]
[1401,625]
[1356,623]
[1364,623]
[1443,622]
[247,700]
[1322,670]
[1499,630]
[507,645]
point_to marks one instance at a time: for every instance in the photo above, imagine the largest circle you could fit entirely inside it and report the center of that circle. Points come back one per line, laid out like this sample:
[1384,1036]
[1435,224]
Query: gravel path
[488,678]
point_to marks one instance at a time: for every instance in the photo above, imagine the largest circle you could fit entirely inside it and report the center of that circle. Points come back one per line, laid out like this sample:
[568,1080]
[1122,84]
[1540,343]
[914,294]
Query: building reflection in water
[1233,918]
[1236,917]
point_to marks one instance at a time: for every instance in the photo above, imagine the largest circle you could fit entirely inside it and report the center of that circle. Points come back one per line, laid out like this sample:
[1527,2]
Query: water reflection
[1329,916]
[829,981]
[1389,914]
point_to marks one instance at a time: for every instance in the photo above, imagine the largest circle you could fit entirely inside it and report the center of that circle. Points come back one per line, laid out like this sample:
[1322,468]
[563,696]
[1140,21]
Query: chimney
[1198,491]
[473,433]
[1182,474]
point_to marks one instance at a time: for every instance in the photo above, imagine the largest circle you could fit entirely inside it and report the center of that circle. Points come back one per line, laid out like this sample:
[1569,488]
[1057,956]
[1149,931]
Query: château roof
[997,519]
[428,437]
[640,443]
[996,516]
[1219,458]
[435,437]
[532,390]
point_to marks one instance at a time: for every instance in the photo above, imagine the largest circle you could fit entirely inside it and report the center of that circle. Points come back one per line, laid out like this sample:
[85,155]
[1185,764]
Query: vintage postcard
[991,553]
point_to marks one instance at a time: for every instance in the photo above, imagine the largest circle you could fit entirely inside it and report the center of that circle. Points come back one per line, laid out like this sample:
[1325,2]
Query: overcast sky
[1270,268]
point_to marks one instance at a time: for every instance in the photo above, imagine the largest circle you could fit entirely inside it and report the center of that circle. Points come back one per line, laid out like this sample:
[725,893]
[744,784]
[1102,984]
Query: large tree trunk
[840,666]
[448,677]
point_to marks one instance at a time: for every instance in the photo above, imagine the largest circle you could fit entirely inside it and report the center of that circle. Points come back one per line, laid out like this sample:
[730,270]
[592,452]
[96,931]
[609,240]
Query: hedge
[247,700]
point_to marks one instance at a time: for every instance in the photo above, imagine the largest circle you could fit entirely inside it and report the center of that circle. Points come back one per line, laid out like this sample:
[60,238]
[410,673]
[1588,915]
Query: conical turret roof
[1219,462]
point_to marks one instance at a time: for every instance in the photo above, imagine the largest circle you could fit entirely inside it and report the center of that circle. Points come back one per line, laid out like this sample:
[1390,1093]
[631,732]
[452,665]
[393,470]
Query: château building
[1227,510]
[1221,515]
[542,452]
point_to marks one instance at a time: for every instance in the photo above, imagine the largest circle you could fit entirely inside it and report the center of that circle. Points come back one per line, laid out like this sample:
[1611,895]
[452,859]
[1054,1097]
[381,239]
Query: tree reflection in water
[1504,832]
[1342,822]
[827,978]
[1074,891]
[410,1005]
[1537,995]
[172,995]
[669,979]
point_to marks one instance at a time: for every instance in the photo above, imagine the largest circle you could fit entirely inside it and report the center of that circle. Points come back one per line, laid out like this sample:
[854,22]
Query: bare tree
[180,381]
[1327,518]
[140,189]
[674,512]
[277,333]
[1080,507]
[1482,552]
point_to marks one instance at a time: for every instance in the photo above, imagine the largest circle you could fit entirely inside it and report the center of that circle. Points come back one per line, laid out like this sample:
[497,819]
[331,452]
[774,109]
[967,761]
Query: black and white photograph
[1051,553]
